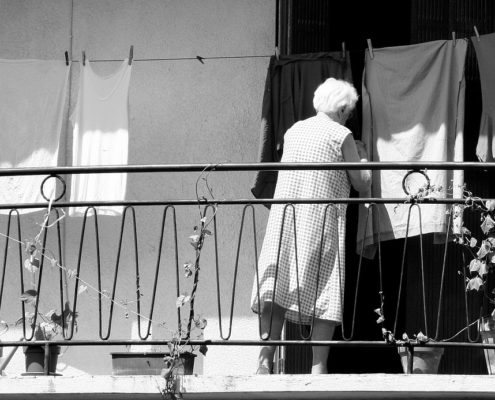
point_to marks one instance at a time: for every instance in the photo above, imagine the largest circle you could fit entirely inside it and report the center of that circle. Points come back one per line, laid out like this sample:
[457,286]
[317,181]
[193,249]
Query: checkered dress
[321,284]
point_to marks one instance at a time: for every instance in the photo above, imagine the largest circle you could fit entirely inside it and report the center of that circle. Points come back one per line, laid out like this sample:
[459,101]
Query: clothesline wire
[179,58]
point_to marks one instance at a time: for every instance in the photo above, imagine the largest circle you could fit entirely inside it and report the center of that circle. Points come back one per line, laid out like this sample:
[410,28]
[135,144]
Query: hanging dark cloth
[288,98]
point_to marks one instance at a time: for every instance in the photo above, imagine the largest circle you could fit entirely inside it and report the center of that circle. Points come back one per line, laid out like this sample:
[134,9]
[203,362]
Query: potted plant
[425,360]
[179,361]
[415,357]
[179,357]
[44,325]
[175,363]
[481,262]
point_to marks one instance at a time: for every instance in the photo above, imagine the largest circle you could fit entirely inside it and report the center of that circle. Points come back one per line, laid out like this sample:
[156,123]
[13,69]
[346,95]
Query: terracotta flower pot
[35,359]
[425,360]
[487,332]
[148,363]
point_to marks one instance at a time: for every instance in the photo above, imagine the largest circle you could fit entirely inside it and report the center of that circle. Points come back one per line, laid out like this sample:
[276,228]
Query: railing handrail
[244,342]
[271,166]
[340,200]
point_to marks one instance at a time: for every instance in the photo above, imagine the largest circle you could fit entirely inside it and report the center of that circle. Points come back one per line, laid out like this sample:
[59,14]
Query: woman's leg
[276,320]
[322,330]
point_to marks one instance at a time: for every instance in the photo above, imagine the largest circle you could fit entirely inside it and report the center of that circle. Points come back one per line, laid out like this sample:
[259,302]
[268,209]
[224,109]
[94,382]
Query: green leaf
[484,249]
[474,283]
[200,323]
[29,296]
[203,349]
[65,316]
[483,269]
[194,240]
[488,224]
[30,248]
[181,300]
[421,337]
[82,289]
[474,265]
[188,269]
[32,265]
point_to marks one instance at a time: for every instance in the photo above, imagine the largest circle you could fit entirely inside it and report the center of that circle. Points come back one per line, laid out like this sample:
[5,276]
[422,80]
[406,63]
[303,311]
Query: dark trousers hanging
[288,98]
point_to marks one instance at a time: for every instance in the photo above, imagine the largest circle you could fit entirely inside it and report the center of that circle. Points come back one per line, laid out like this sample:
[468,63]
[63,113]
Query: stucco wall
[181,111]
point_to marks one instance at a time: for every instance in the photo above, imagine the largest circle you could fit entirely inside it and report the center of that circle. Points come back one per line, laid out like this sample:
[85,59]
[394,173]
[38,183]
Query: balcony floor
[332,386]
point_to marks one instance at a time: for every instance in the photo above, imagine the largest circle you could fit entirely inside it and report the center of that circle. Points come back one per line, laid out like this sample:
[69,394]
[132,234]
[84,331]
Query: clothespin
[66,58]
[200,59]
[370,48]
[453,38]
[343,50]
[477,33]
[83,57]
[131,54]
[277,53]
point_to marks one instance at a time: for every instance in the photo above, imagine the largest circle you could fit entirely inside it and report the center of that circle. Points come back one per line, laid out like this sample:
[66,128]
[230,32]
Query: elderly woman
[301,271]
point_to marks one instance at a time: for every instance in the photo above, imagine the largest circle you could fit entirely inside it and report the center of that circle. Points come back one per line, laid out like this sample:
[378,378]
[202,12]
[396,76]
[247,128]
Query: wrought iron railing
[13,235]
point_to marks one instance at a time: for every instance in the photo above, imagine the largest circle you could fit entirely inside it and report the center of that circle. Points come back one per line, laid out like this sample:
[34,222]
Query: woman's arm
[355,151]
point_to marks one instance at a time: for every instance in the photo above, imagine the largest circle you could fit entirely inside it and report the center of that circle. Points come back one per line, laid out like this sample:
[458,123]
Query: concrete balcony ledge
[338,386]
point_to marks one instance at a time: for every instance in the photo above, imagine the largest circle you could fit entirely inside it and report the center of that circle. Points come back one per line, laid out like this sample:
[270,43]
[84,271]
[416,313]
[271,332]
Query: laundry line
[197,58]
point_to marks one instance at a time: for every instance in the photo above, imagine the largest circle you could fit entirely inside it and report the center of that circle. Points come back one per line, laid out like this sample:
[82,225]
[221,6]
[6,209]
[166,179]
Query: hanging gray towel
[34,96]
[288,98]
[485,53]
[413,110]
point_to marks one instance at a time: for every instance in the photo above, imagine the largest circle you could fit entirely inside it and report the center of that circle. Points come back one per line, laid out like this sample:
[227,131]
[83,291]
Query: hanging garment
[413,110]
[485,53]
[289,88]
[100,136]
[32,101]
[311,258]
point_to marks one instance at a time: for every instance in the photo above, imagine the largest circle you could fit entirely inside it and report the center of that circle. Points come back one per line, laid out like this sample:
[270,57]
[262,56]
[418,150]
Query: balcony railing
[16,245]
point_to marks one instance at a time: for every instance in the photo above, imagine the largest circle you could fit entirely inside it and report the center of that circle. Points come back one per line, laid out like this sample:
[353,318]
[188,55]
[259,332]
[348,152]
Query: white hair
[333,95]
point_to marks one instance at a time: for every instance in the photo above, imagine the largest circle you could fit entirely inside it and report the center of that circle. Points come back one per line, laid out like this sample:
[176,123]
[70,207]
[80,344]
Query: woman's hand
[361,149]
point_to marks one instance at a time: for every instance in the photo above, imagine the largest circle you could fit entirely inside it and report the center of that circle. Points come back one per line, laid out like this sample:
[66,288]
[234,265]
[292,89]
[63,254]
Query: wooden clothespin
[453,38]
[131,54]
[477,33]
[66,58]
[343,50]
[370,48]
[277,53]
[83,57]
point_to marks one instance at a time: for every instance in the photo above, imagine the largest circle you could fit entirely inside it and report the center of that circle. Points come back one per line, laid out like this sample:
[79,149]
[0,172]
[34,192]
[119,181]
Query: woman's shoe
[263,370]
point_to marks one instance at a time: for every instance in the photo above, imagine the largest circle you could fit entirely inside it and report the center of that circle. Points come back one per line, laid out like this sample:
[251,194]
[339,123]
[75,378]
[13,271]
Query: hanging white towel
[413,110]
[32,100]
[101,136]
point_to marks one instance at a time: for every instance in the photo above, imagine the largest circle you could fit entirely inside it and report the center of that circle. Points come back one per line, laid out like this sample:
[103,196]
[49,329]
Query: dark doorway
[321,25]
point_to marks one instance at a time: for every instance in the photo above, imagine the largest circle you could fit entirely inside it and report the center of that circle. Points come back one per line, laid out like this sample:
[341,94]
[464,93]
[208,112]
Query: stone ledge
[333,386]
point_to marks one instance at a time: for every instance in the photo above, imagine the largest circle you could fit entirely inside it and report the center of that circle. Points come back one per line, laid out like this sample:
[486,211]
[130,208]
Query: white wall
[181,111]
